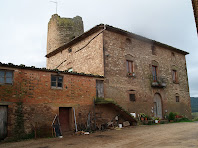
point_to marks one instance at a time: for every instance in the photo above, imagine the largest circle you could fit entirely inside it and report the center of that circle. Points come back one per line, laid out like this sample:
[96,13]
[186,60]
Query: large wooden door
[157,106]
[64,119]
[3,121]
[99,89]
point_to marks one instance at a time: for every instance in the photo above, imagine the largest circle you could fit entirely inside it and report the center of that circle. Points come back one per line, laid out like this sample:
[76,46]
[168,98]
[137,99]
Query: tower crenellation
[62,31]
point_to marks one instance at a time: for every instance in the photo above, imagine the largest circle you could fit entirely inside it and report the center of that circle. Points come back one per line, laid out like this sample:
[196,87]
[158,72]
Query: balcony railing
[159,82]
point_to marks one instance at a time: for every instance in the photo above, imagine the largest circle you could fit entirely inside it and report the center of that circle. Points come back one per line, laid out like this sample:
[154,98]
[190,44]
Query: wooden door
[64,118]
[3,121]
[99,89]
[157,106]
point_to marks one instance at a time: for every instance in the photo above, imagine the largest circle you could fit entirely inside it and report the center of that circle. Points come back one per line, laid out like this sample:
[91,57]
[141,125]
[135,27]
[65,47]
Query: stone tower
[62,30]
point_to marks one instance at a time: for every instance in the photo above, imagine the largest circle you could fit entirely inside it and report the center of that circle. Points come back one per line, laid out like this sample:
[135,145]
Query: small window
[173,56]
[128,41]
[132,97]
[154,73]
[70,69]
[153,50]
[177,98]
[130,67]
[6,77]
[56,81]
[69,50]
[174,76]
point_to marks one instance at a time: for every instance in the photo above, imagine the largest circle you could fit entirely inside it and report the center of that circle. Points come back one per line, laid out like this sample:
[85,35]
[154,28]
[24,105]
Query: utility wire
[84,45]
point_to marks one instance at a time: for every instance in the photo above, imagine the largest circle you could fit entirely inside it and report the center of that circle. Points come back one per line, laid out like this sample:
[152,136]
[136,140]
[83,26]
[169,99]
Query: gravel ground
[174,135]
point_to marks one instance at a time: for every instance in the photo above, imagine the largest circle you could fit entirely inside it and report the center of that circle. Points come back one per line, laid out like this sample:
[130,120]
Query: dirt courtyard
[175,135]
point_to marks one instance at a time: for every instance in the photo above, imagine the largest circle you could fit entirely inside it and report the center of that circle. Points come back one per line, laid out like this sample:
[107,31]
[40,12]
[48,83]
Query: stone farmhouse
[140,74]
[92,77]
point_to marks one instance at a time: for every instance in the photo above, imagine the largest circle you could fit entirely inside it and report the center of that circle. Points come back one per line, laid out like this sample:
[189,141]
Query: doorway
[157,105]
[3,121]
[99,88]
[64,118]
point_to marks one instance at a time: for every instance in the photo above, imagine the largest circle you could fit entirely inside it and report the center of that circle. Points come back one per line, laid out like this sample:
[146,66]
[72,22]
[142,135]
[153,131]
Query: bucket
[120,125]
[133,114]
[156,121]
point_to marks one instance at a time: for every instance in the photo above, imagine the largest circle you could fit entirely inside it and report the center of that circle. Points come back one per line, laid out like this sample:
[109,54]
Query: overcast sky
[23,26]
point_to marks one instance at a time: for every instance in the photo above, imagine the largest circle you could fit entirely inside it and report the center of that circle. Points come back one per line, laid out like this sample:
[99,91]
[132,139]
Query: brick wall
[118,85]
[87,60]
[40,103]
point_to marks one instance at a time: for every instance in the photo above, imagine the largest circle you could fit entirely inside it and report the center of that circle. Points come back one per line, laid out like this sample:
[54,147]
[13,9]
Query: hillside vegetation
[194,104]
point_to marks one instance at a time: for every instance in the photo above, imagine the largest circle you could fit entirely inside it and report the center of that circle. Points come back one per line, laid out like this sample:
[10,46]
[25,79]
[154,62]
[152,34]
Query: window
[6,77]
[69,50]
[154,72]
[174,76]
[130,69]
[128,40]
[177,98]
[132,97]
[56,81]
[173,56]
[153,50]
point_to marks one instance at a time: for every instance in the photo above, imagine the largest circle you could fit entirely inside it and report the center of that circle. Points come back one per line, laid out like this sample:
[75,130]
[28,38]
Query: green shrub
[196,119]
[171,116]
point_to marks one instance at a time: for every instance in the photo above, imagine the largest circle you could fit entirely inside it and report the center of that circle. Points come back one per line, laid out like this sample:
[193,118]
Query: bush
[196,119]
[171,116]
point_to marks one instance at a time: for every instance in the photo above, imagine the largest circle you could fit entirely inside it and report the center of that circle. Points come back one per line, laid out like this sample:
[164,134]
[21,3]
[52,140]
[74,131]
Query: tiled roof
[114,29]
[10,65]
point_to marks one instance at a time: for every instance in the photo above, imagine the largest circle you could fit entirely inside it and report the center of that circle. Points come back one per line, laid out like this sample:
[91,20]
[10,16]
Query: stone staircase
[121,111]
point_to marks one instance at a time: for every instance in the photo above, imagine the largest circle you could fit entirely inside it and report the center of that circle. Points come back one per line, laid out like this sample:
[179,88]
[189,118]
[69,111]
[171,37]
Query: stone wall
[87,60]
[62,30]
[118,85]
[31,100]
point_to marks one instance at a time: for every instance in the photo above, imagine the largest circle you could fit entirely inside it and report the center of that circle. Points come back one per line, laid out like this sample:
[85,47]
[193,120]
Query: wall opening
[3,121]
[158,106]
[65,118]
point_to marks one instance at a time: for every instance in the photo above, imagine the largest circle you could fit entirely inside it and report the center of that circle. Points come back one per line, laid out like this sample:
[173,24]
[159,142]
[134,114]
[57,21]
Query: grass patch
[104,101]
[195,116]
[183,120]
[195,119]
